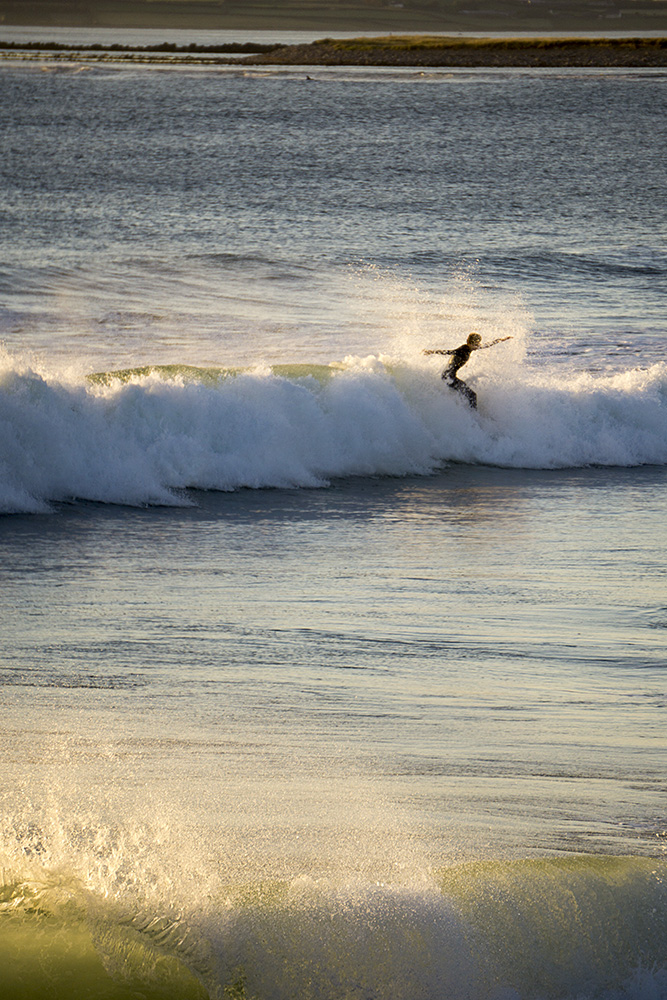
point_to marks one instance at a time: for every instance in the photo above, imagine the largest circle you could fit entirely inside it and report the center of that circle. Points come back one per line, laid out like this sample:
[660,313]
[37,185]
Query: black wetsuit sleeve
[498,340]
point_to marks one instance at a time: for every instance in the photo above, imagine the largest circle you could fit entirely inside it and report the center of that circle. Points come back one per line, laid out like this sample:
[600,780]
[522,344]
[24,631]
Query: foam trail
[137,440]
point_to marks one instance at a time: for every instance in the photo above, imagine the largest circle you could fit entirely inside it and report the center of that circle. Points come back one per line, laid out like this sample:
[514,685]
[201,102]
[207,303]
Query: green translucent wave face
[53,948]
[541,928]
[556,925]
[209,376]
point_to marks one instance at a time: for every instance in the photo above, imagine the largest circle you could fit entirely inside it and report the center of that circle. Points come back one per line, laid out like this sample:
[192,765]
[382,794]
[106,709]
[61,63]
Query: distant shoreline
[391,50]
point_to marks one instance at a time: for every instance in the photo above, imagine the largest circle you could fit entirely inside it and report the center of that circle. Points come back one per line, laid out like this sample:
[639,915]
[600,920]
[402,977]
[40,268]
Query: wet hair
[474,339]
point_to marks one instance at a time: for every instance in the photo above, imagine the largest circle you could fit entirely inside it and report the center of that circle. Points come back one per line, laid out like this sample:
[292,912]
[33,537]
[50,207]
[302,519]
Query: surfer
[459,357]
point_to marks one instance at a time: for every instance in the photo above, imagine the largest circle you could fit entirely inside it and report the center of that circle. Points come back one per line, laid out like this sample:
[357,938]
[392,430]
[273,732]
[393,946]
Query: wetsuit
[459,358]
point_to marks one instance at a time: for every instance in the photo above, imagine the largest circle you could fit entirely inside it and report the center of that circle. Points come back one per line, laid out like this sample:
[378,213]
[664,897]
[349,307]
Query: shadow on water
[460,492]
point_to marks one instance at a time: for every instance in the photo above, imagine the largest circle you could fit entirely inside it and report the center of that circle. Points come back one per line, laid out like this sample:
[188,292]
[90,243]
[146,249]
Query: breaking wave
[578,927]
[142,435]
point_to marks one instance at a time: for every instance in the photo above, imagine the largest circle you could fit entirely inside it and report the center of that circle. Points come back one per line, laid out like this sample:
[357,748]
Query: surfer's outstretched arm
[498,340]
[474,343]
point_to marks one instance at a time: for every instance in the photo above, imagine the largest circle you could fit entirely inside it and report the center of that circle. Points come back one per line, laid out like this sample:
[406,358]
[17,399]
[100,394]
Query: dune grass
[420,42]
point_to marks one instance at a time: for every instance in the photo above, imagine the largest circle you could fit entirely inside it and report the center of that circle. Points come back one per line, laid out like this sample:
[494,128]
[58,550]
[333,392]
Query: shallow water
[414,639]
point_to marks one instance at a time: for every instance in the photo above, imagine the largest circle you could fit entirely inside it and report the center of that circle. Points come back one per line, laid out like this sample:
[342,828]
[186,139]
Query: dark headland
[413,50]
[534,33]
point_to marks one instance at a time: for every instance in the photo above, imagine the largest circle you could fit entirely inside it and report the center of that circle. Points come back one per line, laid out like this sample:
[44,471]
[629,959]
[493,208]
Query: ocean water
[315,683]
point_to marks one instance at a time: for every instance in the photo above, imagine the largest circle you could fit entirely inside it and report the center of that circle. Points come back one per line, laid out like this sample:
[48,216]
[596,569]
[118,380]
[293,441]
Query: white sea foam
[142,440]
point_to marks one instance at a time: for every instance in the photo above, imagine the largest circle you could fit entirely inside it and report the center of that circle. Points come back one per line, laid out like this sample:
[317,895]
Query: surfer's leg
[456,383]
[469,394]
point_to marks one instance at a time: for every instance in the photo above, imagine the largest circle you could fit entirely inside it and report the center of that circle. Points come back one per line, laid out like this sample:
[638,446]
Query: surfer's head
[474,340]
